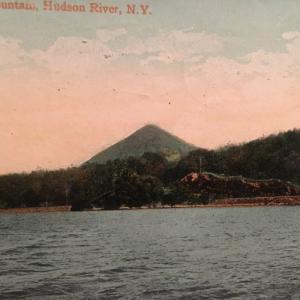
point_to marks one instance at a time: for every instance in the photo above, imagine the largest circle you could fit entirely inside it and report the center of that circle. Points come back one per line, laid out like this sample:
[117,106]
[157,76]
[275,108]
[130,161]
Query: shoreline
[227,203]
[209,206]
[221,203]
[26,210]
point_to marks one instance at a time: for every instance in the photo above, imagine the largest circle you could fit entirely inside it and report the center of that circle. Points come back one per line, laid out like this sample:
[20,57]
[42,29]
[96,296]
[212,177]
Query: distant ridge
[149,138]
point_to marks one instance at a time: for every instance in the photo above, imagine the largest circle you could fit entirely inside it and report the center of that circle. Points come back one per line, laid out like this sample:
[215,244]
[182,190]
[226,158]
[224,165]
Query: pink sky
[62,105]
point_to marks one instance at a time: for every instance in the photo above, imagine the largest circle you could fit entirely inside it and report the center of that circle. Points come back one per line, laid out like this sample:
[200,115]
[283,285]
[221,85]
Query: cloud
[258,64]
[94,55]
[65,55]
[176,46]
[290,35]
[11,52]
[106,35]
[112,49]
[74,54]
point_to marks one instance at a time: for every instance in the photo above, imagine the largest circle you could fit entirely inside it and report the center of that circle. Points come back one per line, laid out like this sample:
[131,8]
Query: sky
[211,72]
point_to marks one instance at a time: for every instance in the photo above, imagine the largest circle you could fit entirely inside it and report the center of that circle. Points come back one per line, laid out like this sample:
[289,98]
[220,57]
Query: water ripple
[244,253]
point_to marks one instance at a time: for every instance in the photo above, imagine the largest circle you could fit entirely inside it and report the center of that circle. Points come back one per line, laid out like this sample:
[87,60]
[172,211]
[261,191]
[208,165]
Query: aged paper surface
[150,149]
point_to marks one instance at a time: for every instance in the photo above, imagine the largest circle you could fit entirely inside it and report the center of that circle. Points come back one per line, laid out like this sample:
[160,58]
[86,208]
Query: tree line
[150,180]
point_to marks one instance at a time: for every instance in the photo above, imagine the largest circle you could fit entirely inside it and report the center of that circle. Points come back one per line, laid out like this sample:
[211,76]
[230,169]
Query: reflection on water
[236,253]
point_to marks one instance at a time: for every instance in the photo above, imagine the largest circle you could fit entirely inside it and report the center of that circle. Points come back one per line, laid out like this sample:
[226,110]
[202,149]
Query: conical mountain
[149,138]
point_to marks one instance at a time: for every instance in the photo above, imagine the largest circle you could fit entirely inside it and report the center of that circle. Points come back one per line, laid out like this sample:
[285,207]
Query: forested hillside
[275,156]
[151,179]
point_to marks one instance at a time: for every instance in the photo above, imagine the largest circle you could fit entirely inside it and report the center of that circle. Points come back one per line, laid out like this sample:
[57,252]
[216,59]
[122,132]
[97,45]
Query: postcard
[150,149]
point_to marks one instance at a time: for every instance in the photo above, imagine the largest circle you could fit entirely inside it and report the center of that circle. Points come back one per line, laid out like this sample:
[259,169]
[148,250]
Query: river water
[222,253]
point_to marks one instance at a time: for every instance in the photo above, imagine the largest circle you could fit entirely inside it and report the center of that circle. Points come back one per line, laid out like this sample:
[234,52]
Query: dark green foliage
[178,193]
[42,188]
[151,179]
[111,202]
[197,161]
[133,190]
[277,156]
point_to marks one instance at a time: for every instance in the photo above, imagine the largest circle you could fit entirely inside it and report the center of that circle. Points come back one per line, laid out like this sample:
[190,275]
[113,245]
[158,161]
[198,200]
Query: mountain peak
[149,138]
[151,127]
